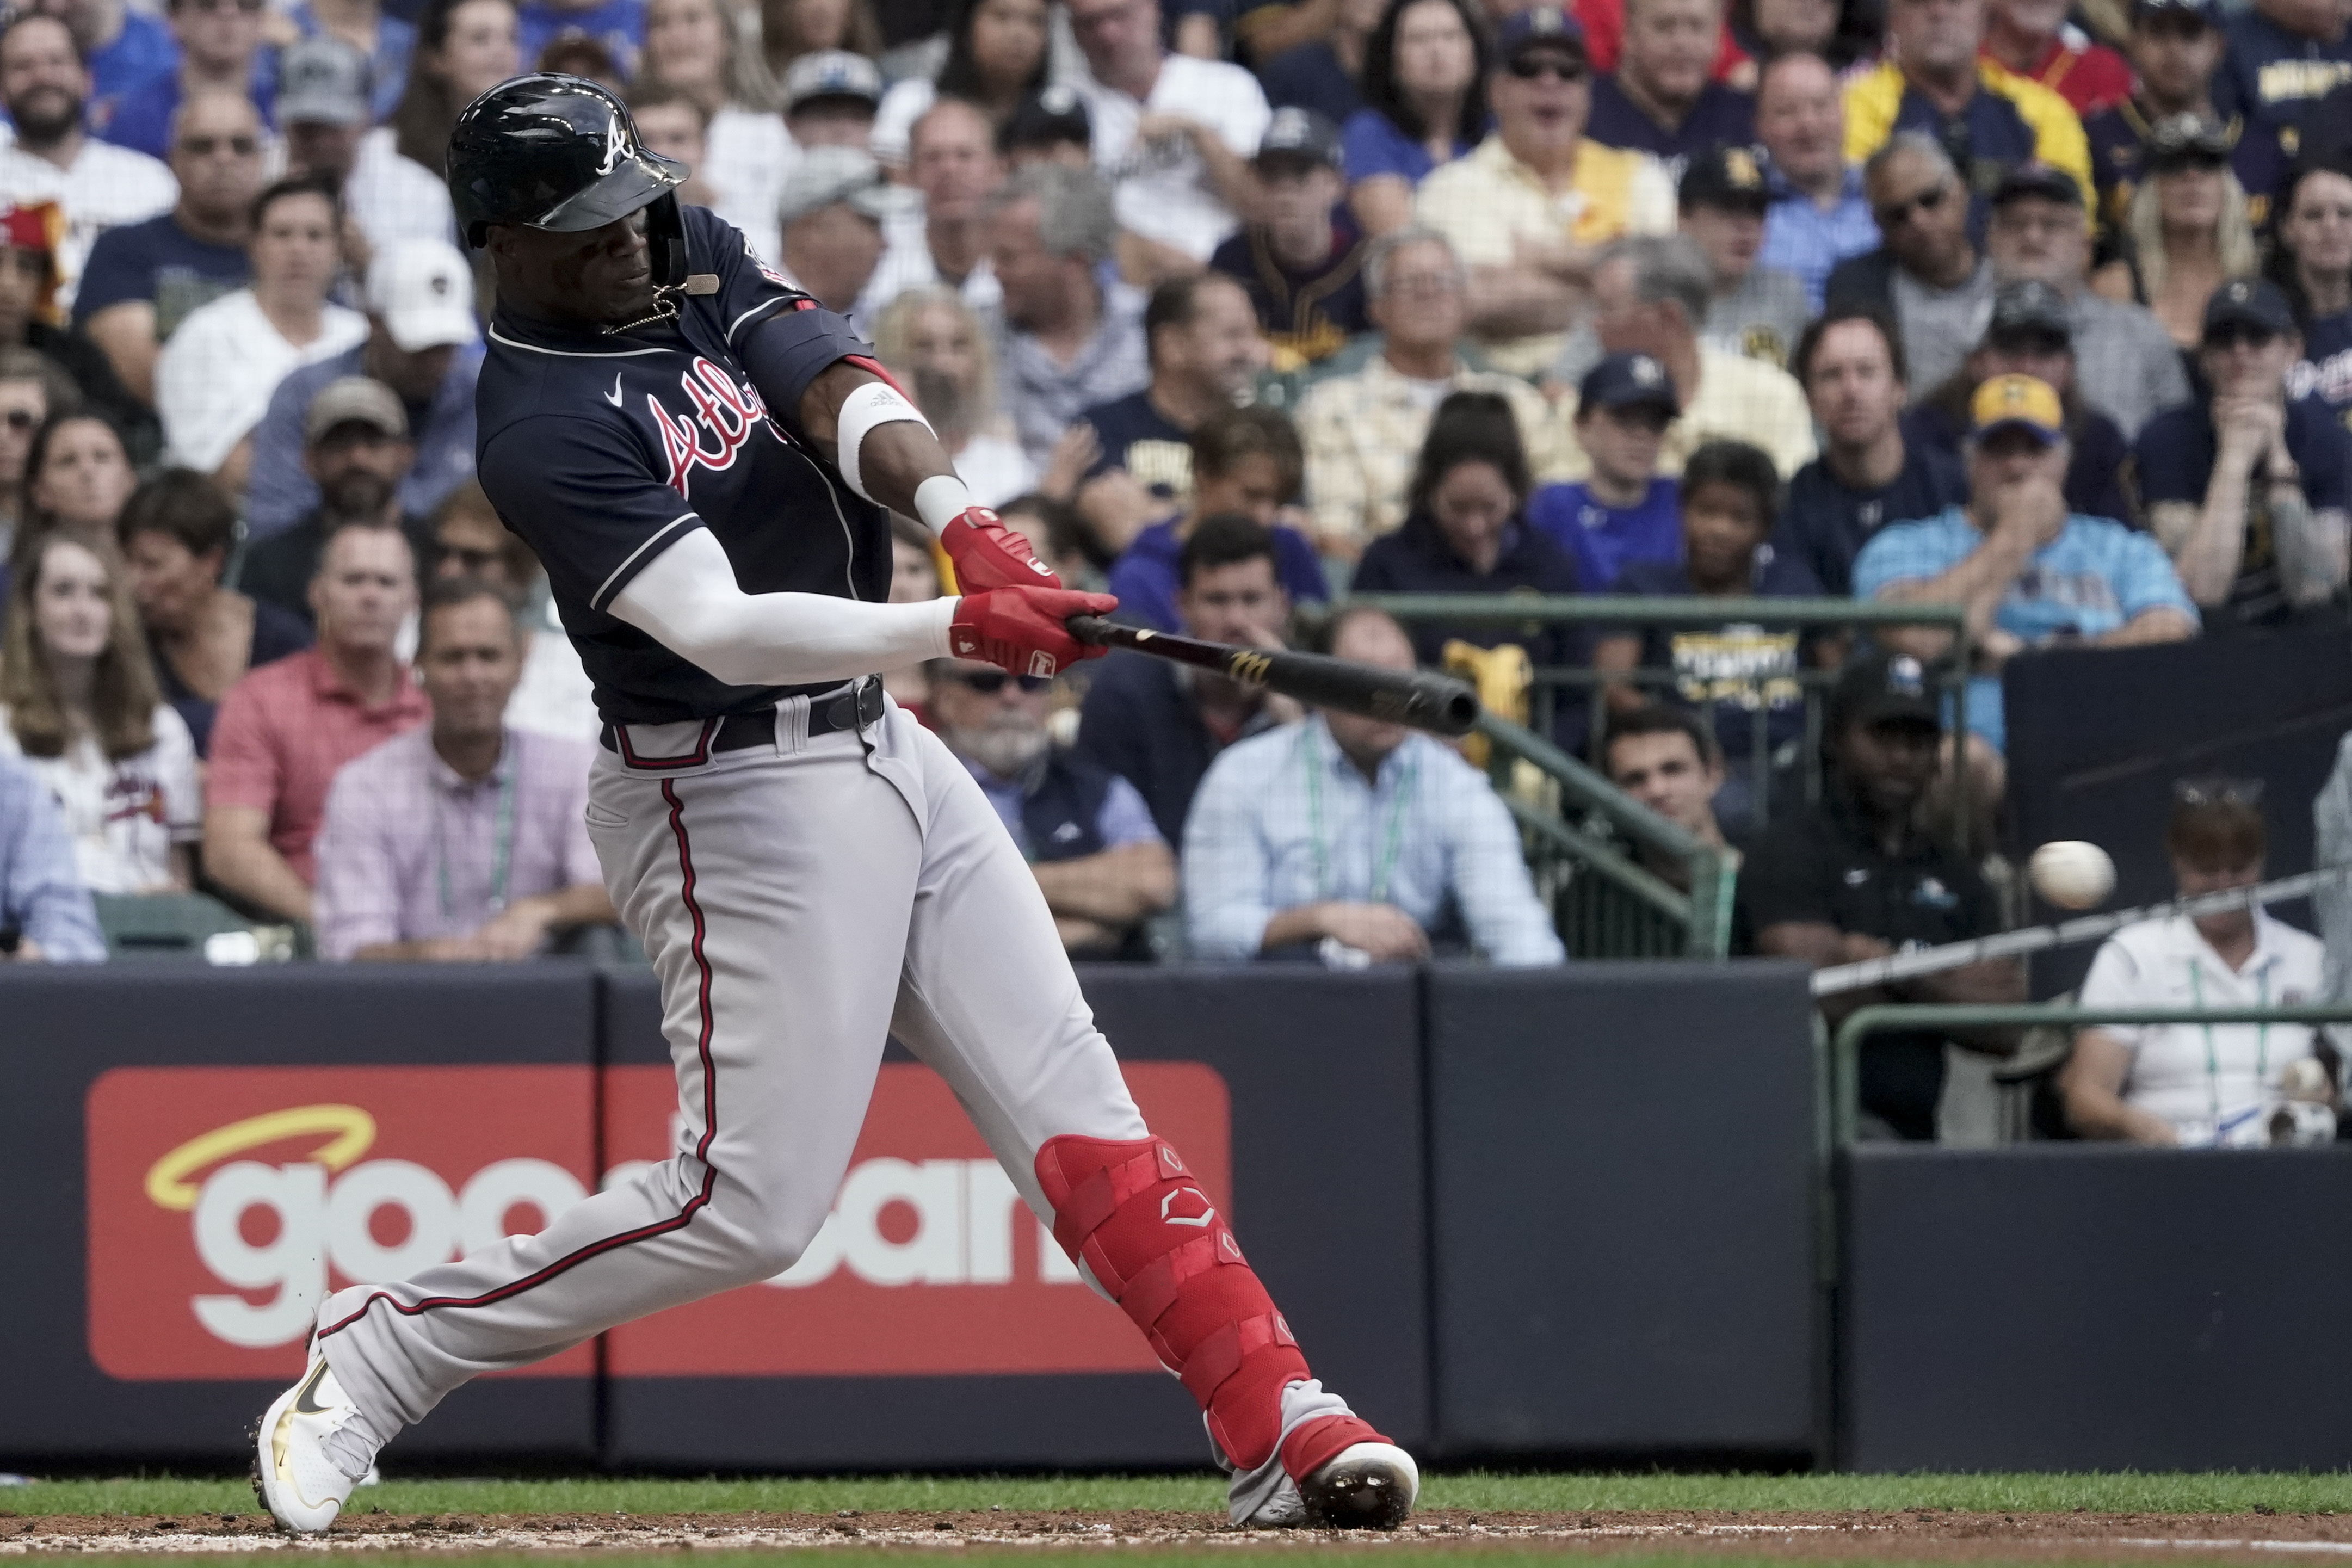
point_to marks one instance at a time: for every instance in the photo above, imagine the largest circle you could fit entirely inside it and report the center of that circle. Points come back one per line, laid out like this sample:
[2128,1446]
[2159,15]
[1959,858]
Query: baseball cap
[1540,27]
[2179,138]
[2025,401]
[2250,302]
[1725,177]
[354,400]
[1298,136]
[2205,11]
[2040,181]
[1628,381]
[424,289]
[322,80]
[1051,115]
[2029,305]
[1883,687]
[828,174]
[831,73]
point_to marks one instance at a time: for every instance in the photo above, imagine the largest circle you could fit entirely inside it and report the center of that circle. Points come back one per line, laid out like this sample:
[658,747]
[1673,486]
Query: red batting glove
[1021,629]
[987,554]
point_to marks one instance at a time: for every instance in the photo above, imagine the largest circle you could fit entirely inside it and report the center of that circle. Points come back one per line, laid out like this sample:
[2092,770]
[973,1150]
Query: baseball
[2072,874]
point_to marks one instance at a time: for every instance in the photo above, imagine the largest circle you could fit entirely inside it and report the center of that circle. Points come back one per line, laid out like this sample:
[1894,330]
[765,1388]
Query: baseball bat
[1438,703]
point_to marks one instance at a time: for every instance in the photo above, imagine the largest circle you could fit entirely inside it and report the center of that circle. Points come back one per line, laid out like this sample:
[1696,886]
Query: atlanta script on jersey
[601,450]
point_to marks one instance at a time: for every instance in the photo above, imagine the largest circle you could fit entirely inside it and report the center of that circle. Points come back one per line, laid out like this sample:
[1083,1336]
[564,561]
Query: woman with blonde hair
[2187,228]
[697,47]
[78,703]
[933,344]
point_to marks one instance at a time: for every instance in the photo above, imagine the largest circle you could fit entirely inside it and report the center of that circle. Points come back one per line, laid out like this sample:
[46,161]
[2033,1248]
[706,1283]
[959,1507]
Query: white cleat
[300,1472]
[1367,1486]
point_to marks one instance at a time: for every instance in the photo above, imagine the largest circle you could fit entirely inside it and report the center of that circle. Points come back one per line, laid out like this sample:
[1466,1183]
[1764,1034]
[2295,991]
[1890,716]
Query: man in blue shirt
[45,911]
[1662,97]
[2176,48]
[2030,574]
[2283,57]
[1245,464]
[2250,490]
[220,47]
[1624,511]
[1819,215]
[1351,840]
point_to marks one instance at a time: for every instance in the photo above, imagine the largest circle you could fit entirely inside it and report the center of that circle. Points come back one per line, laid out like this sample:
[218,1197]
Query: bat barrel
[1424,700]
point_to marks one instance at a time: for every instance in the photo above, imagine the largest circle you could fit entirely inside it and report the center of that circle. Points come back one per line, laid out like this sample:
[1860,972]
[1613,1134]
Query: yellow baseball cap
[2024,401]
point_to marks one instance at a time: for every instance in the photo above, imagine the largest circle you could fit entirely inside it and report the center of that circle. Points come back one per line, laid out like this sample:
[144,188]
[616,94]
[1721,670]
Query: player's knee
[775,1237]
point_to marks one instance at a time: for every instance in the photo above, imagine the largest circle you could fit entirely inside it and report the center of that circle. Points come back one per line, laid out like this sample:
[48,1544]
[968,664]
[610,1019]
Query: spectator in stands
[1244,462]
[674,125]
[935,347]
[1819,215]
[1058,536]
[220,51]
[791,29]
[1196,122]
[1526,207]
[945,241]
[178,530]
[31,388]
[1070,338]
[1362,431]
[1927,276]
[2034,39]
[285,728]
[830,216]
[469,542]
[1659,99]
[78,706]
[2187,231]
[1856,876]
[1650,296]
[1156,724]
[77,472]
[2030,332]
[29,281]
[1622,510]
[1664,757]
[1757,311]
[2280,59]
[1205,351]
[383,42]
[1934,81]
[120,45]
[2124,362]
[422,342]
[2212,1085]
[2176,46]
[215,378]
[996,56]
[696,48]
[1349,840]
[2029,573]
[144,279]
[2249,491]
[1085,831]
[46,914]
[1868,475]
[830,98]
[615,26]
[462,839]
[356,450]
[1049,127]
[97,185]
[2311,262]
[1322,75]
[1424,87]
[1303,265]
[464,49]
[323,109]
[1733,672]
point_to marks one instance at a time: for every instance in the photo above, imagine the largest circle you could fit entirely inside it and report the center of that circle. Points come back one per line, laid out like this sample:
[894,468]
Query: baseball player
[705,460]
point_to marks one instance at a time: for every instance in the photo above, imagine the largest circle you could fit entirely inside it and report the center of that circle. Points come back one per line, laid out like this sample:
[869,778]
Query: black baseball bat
[1438,703]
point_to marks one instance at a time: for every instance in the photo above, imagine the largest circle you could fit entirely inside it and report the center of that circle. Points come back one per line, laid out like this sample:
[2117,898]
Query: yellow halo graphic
[350,1131]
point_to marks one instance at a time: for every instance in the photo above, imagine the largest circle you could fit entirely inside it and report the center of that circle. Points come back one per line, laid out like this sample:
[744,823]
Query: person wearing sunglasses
[1927,275]
[2188,229]
[1085,832]
[2248,490]
[2176,48]
[220,50]
[1527,208]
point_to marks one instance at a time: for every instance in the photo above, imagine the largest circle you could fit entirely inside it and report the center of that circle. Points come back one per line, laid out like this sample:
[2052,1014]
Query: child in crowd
[1623,512]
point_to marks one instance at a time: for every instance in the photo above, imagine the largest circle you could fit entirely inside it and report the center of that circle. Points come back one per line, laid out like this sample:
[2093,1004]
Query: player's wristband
[940,500]
[874,404]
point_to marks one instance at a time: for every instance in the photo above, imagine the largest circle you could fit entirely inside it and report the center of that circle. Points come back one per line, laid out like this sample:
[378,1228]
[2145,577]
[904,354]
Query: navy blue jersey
[2325,371]
[1723,117]
[2118,139]
[1824,525]
[603,449]
[1135,436]
[1307,315]
[2274,77]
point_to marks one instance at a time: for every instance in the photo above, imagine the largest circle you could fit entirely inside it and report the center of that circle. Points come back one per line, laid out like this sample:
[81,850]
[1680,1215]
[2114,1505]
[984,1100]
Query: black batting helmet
[555,153]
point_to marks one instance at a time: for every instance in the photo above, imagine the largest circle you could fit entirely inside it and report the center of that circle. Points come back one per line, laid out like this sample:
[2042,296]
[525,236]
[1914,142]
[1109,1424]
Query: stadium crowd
[1234,310]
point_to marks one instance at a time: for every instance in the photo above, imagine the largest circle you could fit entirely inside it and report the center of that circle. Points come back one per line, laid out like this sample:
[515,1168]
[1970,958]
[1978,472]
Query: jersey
[601,450]
[2118,139]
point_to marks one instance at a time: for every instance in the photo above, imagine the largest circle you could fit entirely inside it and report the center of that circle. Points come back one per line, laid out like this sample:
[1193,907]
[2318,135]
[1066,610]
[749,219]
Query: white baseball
[2072,874]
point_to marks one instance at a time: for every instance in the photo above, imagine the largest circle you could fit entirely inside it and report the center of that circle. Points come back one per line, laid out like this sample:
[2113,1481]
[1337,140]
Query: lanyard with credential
[502,847]
[2212,1058]
[1392,841]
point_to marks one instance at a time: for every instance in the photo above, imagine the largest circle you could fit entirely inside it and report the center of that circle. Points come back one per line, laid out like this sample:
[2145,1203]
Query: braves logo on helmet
[725,413]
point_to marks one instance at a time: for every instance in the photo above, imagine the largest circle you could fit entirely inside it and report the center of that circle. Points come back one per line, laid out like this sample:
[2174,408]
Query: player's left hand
[1022,630]
[987,554]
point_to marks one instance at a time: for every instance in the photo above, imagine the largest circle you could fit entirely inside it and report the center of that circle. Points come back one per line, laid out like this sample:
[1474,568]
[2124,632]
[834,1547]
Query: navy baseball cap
[2180,141]
[1540,26]
[2254,302]
[2039,181]
[1049,115]
[2204,11]
[1298,138]
[1628,381]
[2029,305]
[1882,688]
[1726,177]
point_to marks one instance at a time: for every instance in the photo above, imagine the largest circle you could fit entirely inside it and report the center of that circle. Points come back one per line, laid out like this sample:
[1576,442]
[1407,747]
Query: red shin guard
[1133,1214]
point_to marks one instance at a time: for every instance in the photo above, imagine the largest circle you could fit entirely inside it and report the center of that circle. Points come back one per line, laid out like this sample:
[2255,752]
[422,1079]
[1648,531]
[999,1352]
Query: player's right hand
[1022,630]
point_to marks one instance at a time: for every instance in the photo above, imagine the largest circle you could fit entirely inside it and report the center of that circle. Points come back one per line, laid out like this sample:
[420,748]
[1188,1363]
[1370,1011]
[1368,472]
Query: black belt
[851,707]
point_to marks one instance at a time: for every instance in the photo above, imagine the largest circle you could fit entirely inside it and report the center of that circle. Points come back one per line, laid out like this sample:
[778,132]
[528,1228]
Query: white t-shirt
[1162,190]
[394,199]
[106,186]
[995,469]
[2192,1075]
[123,816]
[745,157]
[214,377]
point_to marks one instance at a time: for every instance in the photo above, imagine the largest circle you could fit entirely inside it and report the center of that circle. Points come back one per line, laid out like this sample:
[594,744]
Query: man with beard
[357,451]
[45,86]
[1085,831]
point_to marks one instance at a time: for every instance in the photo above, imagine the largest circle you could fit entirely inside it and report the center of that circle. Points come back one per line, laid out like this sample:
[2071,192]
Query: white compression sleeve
[870,405]
[686,599]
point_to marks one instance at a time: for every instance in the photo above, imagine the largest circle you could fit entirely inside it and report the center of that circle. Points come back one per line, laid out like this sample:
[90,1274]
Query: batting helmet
[555,153]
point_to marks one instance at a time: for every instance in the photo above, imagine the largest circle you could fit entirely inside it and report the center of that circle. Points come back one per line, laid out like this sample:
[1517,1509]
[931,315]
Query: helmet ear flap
[666,240]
